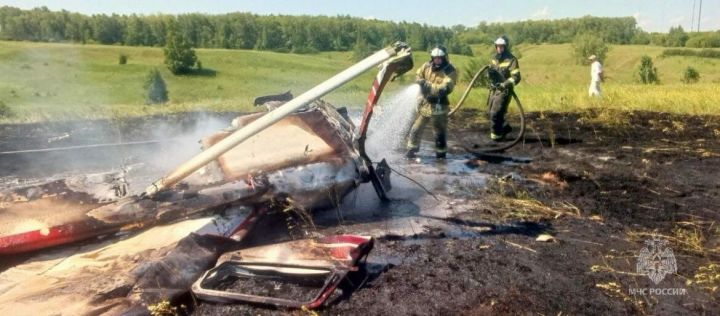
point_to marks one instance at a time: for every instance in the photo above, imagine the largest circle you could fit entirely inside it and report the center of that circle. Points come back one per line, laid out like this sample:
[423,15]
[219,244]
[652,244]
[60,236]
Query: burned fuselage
[303,152]
[307,157]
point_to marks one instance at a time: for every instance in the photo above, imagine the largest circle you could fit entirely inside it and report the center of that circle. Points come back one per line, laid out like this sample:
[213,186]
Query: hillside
[42,81]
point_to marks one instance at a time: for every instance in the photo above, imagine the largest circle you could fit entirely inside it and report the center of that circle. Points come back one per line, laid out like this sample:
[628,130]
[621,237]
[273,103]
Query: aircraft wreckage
[122,253]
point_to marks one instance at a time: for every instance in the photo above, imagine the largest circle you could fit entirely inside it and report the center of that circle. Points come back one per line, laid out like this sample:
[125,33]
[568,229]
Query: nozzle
[400,46]
[402,62]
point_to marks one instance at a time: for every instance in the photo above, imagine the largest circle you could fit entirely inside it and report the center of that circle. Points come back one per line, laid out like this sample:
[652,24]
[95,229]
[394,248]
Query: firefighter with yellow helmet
[437,79]
[504,75]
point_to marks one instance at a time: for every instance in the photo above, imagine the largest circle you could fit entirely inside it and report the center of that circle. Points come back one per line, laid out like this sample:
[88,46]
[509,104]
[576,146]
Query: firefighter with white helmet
[437,79]
[504,75]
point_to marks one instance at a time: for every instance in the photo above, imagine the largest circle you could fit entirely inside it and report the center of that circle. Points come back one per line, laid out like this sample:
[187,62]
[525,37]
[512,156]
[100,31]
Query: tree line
[620,30]
[308,34]
[677,37]
[612,30]
[297,34]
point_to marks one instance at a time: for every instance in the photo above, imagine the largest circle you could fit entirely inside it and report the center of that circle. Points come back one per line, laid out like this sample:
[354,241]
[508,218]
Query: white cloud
[541,14]
[643,22]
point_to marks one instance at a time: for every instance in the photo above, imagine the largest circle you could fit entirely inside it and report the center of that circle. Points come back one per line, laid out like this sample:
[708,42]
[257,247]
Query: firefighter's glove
[442,93]
[424,86]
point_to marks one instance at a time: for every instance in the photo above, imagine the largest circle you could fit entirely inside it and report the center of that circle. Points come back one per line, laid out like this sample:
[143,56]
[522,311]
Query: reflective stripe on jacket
[506,67]
[441,82]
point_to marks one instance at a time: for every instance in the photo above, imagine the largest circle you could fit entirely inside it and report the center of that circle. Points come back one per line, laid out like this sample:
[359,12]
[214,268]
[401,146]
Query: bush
[469,72]
[156,88]
[5,110]
[467,51]
[122,59]
[361,49]
[658,39]
[647,71]
[588,44]
[691,75]
[678,52]
[676,37]
[705,53]
[641,38]
[709,53]
[180,58]
[459,48]
[704,40]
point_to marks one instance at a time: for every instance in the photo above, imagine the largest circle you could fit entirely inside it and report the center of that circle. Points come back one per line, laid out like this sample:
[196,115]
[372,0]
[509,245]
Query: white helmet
[437,52]
[500,41]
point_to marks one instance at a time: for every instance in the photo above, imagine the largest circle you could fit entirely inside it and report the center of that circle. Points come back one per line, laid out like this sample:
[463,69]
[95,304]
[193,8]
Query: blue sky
[652,15]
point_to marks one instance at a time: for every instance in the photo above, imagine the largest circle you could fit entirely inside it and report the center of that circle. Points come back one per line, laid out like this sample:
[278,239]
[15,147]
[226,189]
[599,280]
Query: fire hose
[493,149]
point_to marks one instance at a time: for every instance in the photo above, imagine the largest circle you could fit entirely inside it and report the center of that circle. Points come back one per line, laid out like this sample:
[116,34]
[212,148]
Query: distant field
[41,81]
[552,81]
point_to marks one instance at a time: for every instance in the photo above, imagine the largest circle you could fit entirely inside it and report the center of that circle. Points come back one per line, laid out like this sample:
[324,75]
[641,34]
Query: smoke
[145,148]
[178,140]
[183,137]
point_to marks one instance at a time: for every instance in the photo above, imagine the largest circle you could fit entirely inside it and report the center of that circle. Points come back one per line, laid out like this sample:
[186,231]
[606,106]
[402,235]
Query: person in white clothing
[596,76]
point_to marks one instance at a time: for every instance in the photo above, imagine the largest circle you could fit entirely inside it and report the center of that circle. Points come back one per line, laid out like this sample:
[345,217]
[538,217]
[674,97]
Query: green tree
[676,37]
[641,38]
[589,44]
[471,69]
[271,36]
[704,40]
[658,39]
[620,30]
[301,33]
[180,58]
[107,29]
[691,75]
[136,31]
[361,49]
[155,88]
[647,71]
[467,51]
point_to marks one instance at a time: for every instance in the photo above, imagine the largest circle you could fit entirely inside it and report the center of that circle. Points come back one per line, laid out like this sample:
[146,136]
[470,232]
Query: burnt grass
[614,179]
[623,174]
[601,183]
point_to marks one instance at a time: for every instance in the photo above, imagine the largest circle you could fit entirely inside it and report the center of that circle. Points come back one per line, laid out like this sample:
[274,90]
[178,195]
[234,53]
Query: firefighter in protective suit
[437,79]
[504,75]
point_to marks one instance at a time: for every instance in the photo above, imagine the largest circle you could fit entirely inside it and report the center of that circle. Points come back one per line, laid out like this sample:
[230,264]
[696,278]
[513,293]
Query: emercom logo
[656,260]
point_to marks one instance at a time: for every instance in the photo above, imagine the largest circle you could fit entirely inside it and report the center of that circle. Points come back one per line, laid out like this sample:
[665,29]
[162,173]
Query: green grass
[58,81]
[42,81]
[552,81]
